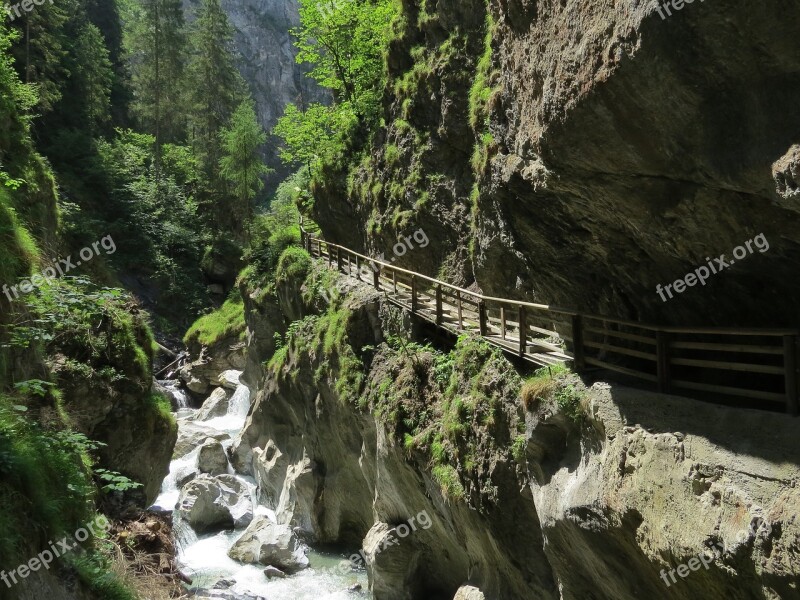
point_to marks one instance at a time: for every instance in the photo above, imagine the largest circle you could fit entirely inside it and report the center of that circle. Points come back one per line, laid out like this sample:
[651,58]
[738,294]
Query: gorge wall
[353,432]
[602,151]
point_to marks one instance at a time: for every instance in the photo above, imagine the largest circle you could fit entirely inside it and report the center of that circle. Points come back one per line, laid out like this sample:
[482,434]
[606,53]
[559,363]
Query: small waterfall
[205,559]
[179,397]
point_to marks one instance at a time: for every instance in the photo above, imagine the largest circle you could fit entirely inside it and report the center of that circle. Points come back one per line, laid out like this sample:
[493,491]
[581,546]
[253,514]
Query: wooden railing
[756,364]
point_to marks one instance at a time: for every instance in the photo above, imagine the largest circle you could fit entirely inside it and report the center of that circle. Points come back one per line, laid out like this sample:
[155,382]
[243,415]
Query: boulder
[271,572]
[268,543]
[215,503]
[468,592]
[191,435]
[230,379]
[212,458]
[216,405]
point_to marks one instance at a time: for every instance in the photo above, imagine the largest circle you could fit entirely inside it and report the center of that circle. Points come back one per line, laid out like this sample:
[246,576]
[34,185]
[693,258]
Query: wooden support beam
[523,331]
[503,322]
[482,318]
[662,360]
[790,364]
[413,294]
[578,349]
[460,312]
[439,304]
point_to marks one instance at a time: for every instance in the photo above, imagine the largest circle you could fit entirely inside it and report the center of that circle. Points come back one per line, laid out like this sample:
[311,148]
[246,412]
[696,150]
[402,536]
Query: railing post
[790,364]
[503,322]
[439,304]
[413,294]
[358,268]
[339,260]
[523,331]
[578,349]
[662,357]
[394,281]
[482,317]
[330,255]
[460,313]
[376,278]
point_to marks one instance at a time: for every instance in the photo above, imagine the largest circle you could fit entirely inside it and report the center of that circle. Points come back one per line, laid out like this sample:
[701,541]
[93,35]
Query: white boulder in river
[270,544]
[215,503]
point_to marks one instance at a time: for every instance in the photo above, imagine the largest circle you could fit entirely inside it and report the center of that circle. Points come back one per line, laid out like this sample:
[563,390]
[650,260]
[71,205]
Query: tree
[156,46]
[216,88]
[316,136]
[345,40]
[242,164]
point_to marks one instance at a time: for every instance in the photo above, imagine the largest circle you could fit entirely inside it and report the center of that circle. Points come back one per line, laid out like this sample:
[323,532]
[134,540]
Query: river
[204,559]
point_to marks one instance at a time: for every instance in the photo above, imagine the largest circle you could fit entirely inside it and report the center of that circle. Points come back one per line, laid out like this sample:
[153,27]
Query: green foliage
[518,449]
[89,324]
[156,217]
[241,163]
[227,321]
[447,477]
[293,265]
[155,44]
[215,90]
[45,484]
[115,482]
[315,136]
[482,89]
[18,250]
[570,401]
[345,43]
[95,571]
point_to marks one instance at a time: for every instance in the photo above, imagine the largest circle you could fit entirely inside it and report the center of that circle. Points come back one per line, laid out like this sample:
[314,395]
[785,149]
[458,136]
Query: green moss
[18,250]
[227,321]
[392,154]
[481,90]
[161,408]
[447,477]
[293,265]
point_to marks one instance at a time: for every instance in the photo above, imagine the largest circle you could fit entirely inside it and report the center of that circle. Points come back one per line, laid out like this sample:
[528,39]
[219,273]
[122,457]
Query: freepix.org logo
[15,11]
[59,268]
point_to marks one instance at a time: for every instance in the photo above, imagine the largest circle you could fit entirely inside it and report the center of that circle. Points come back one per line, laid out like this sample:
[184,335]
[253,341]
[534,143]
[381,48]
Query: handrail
[670,354]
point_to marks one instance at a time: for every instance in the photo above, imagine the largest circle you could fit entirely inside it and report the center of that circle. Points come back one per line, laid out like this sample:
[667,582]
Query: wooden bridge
[755,364]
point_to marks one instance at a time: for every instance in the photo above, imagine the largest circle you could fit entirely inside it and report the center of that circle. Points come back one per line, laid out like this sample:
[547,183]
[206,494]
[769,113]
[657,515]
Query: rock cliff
[541,490]
[603,150]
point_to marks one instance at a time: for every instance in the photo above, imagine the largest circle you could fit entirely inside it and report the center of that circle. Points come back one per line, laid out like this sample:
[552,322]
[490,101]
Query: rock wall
[605,507]
[612,151]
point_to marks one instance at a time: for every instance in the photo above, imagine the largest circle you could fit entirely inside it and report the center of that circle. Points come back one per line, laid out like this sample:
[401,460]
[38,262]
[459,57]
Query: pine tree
[156,46]
[242,165]
[40,52]
[216,89]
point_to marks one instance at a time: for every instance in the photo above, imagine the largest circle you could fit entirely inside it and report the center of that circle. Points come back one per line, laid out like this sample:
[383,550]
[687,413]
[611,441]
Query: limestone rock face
[268,543]
[391,563]
[215,503]
[138,440]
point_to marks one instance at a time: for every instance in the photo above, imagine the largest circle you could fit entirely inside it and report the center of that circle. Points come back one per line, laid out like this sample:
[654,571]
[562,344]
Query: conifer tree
[156,46]
[242,164]
[216,89]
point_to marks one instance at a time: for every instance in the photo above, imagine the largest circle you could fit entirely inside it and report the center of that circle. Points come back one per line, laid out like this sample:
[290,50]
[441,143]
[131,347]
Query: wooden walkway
[755,364]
